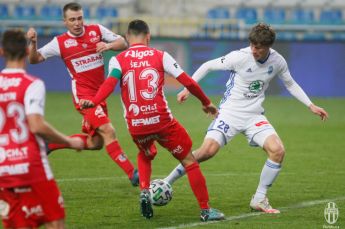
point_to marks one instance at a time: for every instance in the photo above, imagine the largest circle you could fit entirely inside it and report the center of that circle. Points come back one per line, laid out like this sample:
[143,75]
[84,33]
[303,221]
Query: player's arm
[37,56]
[107,86]
[221,63]
[34,101]
[295,90]
[171,67]
[110,41]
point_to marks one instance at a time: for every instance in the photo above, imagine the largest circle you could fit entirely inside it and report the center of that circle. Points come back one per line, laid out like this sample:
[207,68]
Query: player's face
[260,52]
[74,22]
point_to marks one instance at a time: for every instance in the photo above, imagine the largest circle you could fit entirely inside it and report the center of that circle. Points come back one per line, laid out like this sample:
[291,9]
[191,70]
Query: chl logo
[331,213]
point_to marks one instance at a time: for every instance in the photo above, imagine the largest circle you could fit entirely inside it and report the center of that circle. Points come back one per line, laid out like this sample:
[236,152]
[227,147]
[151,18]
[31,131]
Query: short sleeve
[50,49]
[108,35]
[171,66]
[114,68]
[34,100]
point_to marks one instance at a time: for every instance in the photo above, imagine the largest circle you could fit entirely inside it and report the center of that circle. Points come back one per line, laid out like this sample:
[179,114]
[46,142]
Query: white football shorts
[256,128]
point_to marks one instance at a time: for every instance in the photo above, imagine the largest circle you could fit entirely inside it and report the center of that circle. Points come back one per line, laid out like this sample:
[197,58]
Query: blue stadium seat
[3,11]
[216,13]
[105,12]
[51,12]
[24,12]
[249,15]
[86,11]
[331,16]
[302,16]
[274,15]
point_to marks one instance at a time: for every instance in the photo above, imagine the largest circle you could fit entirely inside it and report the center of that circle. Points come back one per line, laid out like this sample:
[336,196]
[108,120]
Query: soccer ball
[161,192]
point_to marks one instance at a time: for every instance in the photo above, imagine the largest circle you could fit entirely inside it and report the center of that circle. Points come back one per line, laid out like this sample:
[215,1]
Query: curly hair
[262,34]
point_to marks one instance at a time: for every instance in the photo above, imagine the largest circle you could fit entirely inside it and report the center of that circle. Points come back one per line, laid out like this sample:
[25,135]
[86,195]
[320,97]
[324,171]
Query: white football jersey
[249,79]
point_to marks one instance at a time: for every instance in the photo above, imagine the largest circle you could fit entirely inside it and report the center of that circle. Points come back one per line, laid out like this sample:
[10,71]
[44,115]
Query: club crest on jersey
[70,43]
[270,70]
[84,46]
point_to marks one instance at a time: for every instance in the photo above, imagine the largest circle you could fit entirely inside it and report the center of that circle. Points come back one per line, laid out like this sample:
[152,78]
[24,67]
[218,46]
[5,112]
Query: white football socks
[269,173]
[178,172]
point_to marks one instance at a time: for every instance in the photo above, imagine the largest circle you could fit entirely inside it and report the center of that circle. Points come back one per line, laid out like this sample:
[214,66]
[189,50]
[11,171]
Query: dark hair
[137,27]
[14,44]
[262,34]
[71,6]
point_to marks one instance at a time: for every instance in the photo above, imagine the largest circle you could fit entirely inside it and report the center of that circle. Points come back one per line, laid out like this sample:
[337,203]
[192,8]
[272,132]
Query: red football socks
[198,184]
[144,168]
[115,152]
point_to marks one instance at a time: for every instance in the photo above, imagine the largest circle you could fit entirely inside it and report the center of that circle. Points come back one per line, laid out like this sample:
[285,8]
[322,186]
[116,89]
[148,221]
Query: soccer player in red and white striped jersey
[140,71]
[29,196]
[81,50]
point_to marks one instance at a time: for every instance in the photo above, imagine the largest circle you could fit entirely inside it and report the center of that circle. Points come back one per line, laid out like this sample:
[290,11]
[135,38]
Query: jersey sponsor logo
[148,138]
[70,43]
[255,88]
[10,96]
[87,63]
[94,37]
[262,123]
[18,169]
[6,83]
[92,33]
[14,154]
[139,54]
[134,109]
[145,121]
[147,109]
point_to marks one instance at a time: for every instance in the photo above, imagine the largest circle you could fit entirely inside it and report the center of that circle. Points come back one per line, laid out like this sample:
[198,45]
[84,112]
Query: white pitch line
[248,215]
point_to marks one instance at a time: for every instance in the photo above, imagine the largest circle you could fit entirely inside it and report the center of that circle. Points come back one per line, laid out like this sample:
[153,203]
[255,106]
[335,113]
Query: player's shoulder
[276,57]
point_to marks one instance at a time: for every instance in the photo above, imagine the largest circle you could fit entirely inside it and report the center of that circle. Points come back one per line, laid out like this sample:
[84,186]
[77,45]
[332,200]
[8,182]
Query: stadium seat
[274,15]
[331,16]
[216,13]
[106,12]
[51,12]
[24,12]
[249,15]
[3,11]
[302,16]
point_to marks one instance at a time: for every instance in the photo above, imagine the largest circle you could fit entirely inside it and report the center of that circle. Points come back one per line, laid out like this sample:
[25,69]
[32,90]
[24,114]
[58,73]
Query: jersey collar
[137,45]
[13,70]
[71,35]
[264,60]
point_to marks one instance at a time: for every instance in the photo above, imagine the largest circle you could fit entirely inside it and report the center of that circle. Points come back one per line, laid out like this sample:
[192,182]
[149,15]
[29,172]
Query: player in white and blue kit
[240,111]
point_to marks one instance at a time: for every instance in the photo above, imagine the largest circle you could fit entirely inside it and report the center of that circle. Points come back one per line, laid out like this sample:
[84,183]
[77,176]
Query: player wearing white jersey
[251,70]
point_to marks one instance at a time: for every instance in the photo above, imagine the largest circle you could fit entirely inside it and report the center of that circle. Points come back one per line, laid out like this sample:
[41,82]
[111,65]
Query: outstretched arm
[196,90]
[110,41]
[299,94]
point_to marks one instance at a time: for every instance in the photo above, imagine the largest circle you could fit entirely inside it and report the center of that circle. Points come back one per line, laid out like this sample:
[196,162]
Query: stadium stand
[228,19]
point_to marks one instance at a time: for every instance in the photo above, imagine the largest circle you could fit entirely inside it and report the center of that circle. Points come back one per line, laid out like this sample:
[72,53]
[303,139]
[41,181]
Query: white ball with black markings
[161,192]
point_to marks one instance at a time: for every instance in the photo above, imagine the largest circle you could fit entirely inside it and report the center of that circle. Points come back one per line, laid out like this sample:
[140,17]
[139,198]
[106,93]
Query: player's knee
[95,143]
[107,131]
[277,153]
[207,150]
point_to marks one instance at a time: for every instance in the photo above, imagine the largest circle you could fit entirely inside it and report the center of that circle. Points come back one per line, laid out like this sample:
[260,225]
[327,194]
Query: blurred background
[310,35]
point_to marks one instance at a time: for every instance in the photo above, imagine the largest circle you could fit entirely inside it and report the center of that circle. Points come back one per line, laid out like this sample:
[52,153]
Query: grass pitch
[98,195]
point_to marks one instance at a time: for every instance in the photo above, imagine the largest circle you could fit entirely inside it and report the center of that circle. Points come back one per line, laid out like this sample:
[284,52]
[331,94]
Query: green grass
[98,195]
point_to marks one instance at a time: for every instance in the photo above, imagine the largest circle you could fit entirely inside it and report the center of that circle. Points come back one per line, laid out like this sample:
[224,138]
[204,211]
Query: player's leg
[177,141]
[267,138]
[58,224]
[208,149]
[116,153]
[146,154]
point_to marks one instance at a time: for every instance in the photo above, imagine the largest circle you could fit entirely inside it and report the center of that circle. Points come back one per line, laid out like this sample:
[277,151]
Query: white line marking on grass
[248,215]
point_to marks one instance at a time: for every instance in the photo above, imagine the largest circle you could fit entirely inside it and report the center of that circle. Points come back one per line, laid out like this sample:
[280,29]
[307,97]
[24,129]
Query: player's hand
[31,35]
[210,110]
[84,103]
[319,111]
[102,46]
[76,143]
[183,95]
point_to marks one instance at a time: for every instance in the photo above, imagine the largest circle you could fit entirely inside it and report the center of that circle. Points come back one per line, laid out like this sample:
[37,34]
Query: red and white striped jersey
[143,69]
[84,64]
[23,158]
